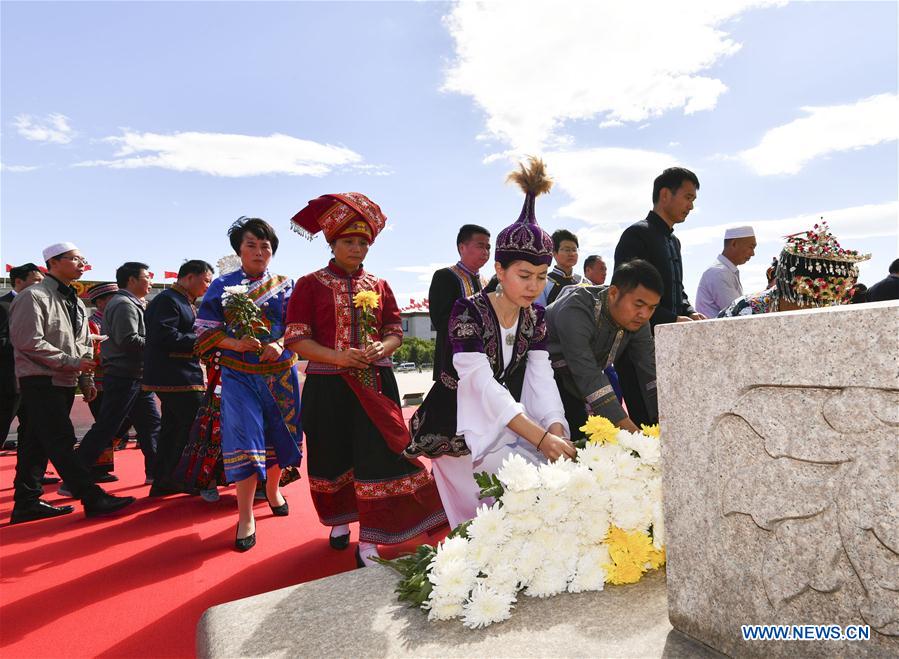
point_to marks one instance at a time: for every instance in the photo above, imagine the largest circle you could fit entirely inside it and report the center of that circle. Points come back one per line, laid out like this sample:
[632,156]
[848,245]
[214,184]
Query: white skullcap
[57,249]
[739,232]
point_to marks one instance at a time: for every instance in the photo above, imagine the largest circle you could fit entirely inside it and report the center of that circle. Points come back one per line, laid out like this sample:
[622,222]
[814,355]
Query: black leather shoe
[280,511]
[162,490]
[244,544]
[105,478]
[340,542]
[10,445]
[359,561]
[40,509]
[106,504]
[49,480]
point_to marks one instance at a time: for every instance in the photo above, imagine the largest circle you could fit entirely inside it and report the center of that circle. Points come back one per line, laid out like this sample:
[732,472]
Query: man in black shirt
[886,289]
[457,281]
[652,239]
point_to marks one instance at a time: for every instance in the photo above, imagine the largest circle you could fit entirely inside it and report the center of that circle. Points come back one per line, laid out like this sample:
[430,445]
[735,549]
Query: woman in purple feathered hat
[496,395]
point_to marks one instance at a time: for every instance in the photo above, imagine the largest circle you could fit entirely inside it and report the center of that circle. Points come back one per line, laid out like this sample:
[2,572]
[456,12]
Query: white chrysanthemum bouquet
[556,527]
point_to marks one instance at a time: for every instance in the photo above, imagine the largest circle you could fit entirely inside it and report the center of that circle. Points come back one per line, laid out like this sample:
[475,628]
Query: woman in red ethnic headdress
[346,322]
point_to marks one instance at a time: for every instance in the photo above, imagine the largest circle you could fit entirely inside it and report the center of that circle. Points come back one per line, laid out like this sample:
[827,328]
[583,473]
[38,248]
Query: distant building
[417,324]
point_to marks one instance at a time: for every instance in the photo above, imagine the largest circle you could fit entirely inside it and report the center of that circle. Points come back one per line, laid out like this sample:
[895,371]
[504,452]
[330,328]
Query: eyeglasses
[75,259]
[568,250]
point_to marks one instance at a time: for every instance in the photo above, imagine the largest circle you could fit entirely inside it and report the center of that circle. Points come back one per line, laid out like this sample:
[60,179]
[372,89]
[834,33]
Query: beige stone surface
[781,476]
[356,614]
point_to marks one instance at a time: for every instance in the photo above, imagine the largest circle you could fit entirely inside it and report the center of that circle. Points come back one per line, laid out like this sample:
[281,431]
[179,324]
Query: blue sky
[140,131]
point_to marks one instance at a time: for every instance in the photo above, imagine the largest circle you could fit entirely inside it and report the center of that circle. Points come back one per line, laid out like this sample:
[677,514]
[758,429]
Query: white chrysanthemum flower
[545,538]
[527,521]
[228,264]
[514,502]
[658,525]
[489,524]
[595,529]
[647,447]
[517,474]
[451,549]
[555,475]
[480,553]
[453,581]
[549,580]
[631,509]
[503,579]
[237,289]
[581,484]
[627,465]
[442,609]
[529,561]
[485,607]
[552,507]
[589,577]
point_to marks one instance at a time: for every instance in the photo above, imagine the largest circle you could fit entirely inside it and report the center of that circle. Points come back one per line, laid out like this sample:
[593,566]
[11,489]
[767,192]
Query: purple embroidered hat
[525,240]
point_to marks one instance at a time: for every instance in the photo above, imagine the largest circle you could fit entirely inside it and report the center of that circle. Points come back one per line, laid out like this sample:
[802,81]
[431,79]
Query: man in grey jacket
[588,328]
[49,333]
[123,366]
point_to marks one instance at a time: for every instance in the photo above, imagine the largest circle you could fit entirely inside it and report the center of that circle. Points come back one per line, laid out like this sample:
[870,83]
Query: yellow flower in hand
[600,430]
[366,300]
[650,431]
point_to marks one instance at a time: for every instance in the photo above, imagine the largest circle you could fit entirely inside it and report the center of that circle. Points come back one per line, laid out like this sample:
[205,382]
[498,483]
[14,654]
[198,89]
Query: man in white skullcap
[720,284]
[53,354]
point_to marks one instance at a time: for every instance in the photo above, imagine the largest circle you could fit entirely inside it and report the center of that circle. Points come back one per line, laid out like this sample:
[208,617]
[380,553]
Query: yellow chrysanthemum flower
[366,300]
[600,430]
[627,547]
[650,431]
[623,574]
[657,558]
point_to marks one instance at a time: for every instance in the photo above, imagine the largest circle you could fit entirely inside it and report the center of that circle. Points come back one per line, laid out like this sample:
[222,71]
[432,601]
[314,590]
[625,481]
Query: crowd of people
[521,361]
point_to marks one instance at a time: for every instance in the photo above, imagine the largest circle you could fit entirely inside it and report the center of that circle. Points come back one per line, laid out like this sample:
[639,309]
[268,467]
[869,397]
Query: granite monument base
[781,478]
[356,614]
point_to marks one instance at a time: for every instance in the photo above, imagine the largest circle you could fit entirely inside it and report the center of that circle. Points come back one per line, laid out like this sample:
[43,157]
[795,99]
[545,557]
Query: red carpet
[135,585]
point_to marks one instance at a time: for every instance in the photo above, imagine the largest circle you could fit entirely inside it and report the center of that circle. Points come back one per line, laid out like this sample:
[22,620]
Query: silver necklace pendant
[510,339]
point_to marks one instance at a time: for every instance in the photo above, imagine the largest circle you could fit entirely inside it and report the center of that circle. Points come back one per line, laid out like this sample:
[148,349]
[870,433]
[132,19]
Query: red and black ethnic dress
[355,433]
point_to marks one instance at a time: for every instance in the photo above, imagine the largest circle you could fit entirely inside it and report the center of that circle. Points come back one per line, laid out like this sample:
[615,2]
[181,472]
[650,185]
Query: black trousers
[123,398]
[630,389]
[49,434]
[179,409]
[575,409]
[10,408]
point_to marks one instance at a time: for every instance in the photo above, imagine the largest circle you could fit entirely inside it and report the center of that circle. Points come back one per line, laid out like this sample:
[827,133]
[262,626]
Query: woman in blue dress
[260,405]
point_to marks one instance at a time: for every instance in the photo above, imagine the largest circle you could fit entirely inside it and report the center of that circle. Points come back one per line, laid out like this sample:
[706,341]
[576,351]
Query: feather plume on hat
[531,179]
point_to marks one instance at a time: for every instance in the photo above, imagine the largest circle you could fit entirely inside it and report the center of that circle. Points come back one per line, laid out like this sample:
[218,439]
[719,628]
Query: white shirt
[719,286]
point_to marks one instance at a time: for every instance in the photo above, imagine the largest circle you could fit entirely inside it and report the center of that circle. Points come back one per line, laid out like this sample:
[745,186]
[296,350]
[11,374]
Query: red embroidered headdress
[338,215]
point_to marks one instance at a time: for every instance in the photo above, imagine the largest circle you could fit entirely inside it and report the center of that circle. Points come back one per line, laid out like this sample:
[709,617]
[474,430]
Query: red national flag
[42,269]
[8,267]
[170,275]
[88,266]
[151,274]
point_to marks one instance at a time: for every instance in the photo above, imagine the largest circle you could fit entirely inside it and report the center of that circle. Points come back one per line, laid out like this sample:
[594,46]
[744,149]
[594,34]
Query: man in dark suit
[20,278]
[652,239]
[458,281]
[172,370]
[886,289]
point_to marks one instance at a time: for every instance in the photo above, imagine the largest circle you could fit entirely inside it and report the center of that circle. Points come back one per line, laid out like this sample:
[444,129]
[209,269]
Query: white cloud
[532,66]
[221,154]
[847,224]
[424,272]
[17,168]
[53,128]
[788,148]
[609,189]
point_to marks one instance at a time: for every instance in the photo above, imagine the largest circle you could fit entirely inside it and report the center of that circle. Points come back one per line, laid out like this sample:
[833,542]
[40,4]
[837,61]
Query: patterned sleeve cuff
[297,332]
[605,403]
[392,330]
[208,340]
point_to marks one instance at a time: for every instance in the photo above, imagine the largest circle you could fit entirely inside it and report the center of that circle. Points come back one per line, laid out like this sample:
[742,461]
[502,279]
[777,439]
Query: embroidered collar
[462,267]
[244,275]
[337,271]
[558,271]
[178,288]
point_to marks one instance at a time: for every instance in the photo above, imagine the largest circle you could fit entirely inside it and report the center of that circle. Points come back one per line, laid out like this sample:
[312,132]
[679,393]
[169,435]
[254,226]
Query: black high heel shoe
[359,561]
[243,544]
[280,511]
